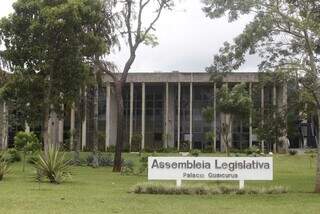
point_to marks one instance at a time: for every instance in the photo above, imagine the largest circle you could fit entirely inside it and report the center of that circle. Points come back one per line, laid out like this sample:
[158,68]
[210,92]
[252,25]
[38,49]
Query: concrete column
[250,117]
[215,117]
[191,116]
[108,108]
[274,104]
[143,115]
[27,128]
[131,114]
[54,128]
[224,118]
[166,117]
[72,126]
[262,115]
[282,109]
[84,123]
[178,125]
[61,128]
[4,126]
[171,116]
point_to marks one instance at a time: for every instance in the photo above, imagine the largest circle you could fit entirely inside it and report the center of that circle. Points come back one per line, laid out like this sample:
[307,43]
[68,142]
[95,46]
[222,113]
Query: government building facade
[163,110]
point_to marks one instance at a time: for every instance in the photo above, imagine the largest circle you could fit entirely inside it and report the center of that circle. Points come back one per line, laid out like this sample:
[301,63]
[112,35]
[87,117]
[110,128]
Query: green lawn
[101,191]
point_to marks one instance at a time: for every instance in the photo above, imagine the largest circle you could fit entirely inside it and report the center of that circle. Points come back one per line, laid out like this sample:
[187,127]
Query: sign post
[210,168]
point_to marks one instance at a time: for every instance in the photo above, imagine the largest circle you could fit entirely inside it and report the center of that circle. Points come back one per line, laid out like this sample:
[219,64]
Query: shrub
[292,152]
[167,150]
[127,167]
[27,143]
[104,160]
[53,165]
[195,152]
[33,158]
[252,150]
[136,142]
[4,169]
[184,146]
[14,155]
[169,189]
[111,148]
[4,166]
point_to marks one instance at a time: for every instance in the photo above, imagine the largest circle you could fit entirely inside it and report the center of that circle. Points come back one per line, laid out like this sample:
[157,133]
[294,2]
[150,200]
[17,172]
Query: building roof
[196,77]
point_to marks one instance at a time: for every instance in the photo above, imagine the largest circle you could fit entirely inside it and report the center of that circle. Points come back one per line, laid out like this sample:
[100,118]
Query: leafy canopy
[284,33]
[235,102]
[49,42]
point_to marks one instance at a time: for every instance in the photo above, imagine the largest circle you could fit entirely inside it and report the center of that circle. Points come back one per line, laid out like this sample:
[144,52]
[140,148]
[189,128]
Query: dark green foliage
[292,152]
[103,159]
[127,167]
[4,168]
[53,165]
[14,155]
[28,143]
[253,150]
[195,152]
[33,158]
[48,47]
[111,148]
[136,142]
[184,146]
[235,101]
[169,189]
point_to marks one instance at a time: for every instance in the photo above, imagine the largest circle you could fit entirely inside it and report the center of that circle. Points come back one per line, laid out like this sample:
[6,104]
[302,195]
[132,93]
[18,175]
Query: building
[165,110]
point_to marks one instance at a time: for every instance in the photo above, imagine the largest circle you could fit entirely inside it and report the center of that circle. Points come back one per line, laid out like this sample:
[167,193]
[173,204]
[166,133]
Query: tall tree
[49,43]
[285,34]
[136,32]
[234,102]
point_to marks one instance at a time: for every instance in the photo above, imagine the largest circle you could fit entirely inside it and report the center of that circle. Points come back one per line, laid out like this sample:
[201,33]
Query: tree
[27,143]
[135,33]
[48,43]
[232,103]
[285,34]
[208,115]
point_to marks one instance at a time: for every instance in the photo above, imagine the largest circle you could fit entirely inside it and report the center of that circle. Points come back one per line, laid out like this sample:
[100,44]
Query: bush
[167,150]
[33,158]
[184,146]
[111,148]
[4,166]
[14,155]
[4,169]
[253,150]
[169,189]
[53,165]
[136,142]
[195,152]
[103,160]
[27,142]
[127,167]
[293,152]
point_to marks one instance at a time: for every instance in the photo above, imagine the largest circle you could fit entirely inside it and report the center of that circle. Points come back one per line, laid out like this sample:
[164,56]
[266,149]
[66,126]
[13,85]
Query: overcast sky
[187,40]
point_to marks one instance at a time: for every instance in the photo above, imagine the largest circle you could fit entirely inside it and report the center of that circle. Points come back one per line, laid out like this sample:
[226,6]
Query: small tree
[27,143]
[208,115]
[232,103]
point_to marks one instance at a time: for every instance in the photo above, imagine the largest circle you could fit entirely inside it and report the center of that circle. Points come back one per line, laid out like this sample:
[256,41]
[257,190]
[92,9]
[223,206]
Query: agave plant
[4,169]
[53,165]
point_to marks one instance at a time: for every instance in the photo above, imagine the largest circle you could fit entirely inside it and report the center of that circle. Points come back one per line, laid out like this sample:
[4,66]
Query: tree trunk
[77,135]
[119,144]
[317,186]
[45,130]
[95,162]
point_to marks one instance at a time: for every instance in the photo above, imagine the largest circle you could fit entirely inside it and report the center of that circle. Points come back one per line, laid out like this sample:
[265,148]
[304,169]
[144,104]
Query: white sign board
[210,168]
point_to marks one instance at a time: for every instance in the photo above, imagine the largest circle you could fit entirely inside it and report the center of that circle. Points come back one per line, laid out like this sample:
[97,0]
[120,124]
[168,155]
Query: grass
[101,191]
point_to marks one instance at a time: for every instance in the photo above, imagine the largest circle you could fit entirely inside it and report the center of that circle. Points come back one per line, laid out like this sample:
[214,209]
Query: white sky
[187,40]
